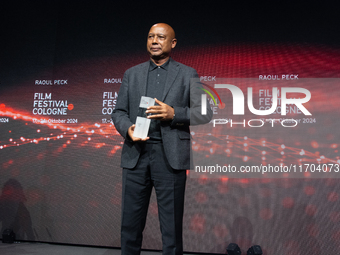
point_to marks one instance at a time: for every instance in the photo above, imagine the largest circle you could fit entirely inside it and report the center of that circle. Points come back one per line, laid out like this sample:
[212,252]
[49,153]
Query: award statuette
[142,122]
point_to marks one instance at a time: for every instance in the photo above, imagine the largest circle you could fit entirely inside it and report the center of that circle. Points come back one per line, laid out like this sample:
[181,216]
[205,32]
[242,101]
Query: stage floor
[26,248]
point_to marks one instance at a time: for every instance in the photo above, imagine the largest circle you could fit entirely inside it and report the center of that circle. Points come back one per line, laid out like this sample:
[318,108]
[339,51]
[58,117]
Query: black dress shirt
[155,87]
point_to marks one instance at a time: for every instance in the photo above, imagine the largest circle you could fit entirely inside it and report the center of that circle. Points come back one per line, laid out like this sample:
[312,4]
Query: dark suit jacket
[175,133]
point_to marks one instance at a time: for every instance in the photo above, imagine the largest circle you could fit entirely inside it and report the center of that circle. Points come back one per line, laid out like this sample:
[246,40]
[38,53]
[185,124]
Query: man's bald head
[167,27]
[161,39]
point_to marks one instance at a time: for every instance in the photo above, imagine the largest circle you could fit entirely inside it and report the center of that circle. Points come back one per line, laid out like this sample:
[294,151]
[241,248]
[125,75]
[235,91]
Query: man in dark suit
[159,160]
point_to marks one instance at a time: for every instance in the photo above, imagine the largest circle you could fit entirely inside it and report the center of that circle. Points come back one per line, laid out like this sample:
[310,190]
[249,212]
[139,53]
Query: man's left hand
[161,112]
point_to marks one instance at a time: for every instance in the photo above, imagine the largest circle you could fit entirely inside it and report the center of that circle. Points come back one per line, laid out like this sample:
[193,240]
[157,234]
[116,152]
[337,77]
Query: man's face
[160,41]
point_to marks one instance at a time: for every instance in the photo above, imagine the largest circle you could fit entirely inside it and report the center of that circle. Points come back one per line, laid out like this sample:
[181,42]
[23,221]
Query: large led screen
[61,69]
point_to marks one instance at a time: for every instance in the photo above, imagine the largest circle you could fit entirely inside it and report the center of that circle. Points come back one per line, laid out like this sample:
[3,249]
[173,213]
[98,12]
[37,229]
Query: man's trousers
[152,170]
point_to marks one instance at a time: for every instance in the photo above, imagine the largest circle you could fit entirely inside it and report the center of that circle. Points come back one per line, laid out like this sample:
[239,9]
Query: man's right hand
[135,139]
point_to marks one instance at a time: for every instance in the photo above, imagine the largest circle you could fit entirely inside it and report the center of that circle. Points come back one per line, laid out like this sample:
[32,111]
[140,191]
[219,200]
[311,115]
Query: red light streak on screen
[93,133]
[258,150]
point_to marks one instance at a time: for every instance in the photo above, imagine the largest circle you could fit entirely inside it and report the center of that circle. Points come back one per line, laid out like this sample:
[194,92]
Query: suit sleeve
[191,114]
[120,114]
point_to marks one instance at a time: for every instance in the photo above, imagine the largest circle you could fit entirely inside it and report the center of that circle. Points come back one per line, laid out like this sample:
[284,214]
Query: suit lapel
[144,71]
[172,74]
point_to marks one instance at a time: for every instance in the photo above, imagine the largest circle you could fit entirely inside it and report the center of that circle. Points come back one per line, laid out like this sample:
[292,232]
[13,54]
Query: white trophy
[142,122]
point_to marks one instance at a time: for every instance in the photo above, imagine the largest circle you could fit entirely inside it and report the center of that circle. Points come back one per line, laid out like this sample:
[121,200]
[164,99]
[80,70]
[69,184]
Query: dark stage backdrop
[62,63]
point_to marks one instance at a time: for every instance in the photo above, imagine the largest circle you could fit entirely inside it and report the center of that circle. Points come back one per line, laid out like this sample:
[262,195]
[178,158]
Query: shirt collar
[153,66]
